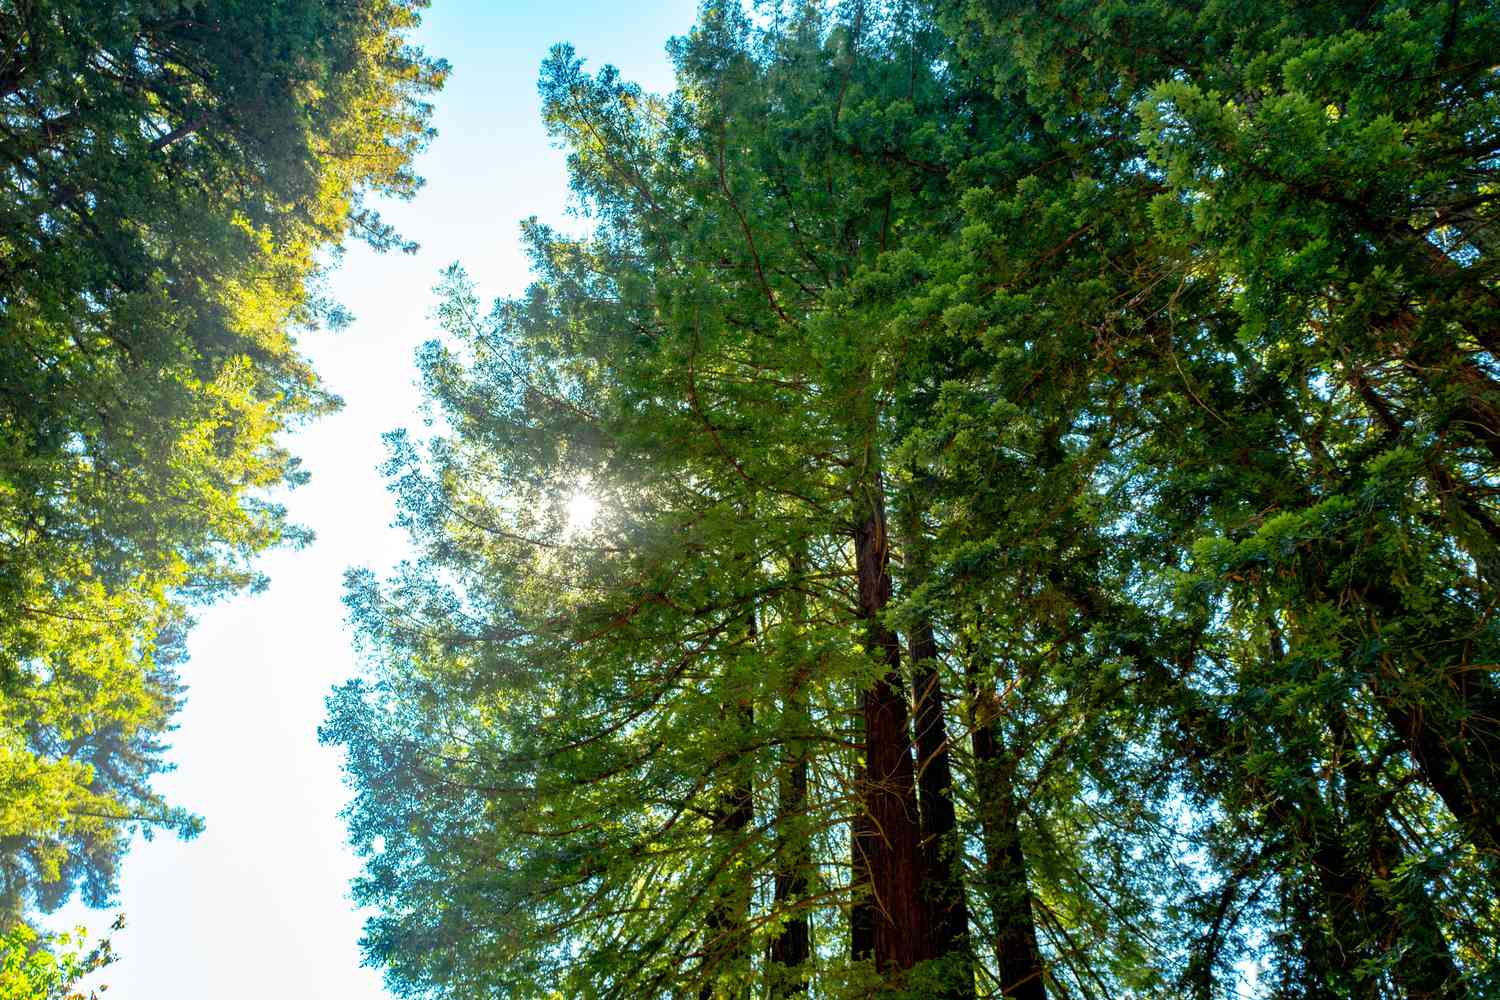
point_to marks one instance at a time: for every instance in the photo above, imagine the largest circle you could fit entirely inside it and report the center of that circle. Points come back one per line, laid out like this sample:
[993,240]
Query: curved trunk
[1403,911]
[1452,734]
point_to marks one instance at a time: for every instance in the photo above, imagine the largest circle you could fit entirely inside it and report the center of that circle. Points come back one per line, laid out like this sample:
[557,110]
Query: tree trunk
[1455,743]
[1364,921]
[862,905]
[1006,889]
[792,947]
[1408,920]
[725,937]
[1453,735]
[724,931]
[943,851]
[893,842]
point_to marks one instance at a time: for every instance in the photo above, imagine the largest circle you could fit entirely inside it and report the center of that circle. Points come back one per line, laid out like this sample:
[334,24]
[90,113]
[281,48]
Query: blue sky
[258,906]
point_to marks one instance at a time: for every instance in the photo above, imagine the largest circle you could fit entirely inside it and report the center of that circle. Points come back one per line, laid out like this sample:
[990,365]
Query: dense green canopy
[174,177]
[1046,461]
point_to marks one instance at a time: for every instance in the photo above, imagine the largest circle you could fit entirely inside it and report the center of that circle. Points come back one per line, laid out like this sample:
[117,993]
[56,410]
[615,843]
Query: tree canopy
[174,179]
[1045,463]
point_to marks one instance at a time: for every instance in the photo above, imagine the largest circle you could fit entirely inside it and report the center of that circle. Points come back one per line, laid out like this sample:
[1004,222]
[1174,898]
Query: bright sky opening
[259,905]
[582,509]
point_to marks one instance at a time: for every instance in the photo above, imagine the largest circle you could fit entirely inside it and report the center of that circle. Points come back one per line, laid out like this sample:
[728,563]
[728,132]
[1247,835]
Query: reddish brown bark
[950,916]
[1005,884]
[892,846]
[862,906]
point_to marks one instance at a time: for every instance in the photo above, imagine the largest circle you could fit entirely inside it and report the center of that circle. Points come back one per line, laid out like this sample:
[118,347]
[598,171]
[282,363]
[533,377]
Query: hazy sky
[258,906]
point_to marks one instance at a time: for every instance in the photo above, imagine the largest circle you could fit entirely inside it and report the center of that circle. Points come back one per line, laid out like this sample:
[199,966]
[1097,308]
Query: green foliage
[33,967]
[173,180]
[1120,377]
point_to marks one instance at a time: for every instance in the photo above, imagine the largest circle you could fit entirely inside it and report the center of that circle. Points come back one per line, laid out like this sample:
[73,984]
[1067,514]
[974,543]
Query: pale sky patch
[258,906]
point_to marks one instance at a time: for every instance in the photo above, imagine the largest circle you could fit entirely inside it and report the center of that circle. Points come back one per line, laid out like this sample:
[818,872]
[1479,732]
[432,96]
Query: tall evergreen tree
[173,177]
[1044,463]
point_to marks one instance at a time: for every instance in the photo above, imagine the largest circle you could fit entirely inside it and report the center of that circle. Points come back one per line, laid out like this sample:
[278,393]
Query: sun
[582,509]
